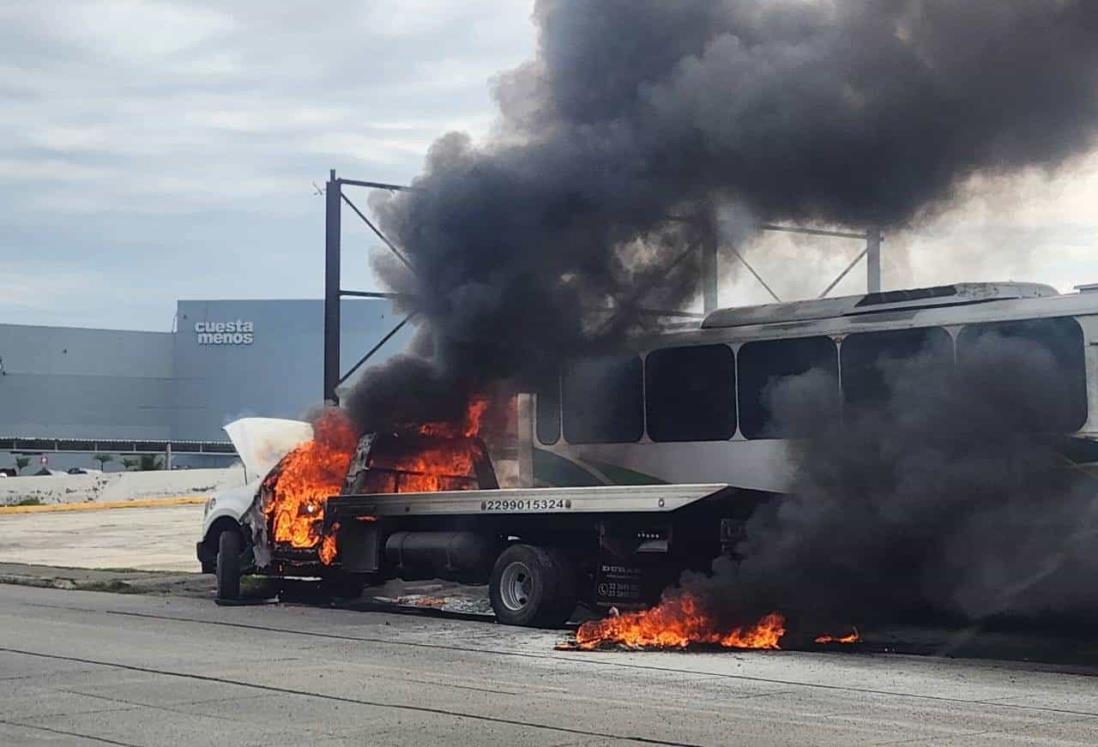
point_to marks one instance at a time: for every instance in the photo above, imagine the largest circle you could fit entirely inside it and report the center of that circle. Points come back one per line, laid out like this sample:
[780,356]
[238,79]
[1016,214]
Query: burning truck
[352,511]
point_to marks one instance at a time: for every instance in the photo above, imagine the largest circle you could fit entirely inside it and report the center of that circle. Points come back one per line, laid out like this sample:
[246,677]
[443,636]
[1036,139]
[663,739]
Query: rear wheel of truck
[228,565]
[532,586]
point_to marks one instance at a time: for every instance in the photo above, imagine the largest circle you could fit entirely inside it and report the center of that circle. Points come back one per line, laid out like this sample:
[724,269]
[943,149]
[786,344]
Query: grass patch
[115,585]
[28,502]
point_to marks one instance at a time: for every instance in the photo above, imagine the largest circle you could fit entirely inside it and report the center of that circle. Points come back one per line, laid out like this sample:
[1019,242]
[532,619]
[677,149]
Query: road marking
[178,500]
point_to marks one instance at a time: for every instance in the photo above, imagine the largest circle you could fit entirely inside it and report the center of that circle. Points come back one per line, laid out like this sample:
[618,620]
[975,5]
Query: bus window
[763,364]
[1055,388]
[865,358]
[603,400]
[548,411]
[690,393]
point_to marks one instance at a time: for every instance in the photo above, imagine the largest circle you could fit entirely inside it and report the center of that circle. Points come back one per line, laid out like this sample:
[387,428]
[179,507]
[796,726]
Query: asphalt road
[86,667]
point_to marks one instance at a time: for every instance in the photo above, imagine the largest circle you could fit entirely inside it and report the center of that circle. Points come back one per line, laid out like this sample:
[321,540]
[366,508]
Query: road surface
[86,667]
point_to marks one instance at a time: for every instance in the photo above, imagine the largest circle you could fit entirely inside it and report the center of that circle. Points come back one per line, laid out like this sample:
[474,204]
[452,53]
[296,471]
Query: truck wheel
[532,586]
[228,565]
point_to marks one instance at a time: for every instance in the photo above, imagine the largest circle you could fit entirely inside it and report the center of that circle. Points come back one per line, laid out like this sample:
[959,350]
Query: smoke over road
[637,118]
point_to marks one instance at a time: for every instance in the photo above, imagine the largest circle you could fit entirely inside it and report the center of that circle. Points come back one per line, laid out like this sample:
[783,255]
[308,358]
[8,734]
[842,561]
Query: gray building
[223,360]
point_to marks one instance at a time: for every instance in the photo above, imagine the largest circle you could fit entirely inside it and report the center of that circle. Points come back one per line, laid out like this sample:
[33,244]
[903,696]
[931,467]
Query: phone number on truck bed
[527,504]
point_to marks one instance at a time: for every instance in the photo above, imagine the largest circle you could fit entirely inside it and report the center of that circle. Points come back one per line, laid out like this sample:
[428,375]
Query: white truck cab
[260,443]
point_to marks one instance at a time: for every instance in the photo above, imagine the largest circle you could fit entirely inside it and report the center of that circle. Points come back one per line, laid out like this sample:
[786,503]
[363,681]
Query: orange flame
[327,550]
[315,470]
[678,622]
[434,466]
[306,477]
[469,427]
[444,457]
[852,637]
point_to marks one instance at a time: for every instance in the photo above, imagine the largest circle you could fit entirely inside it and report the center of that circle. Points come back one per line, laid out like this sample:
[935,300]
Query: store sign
[225,333]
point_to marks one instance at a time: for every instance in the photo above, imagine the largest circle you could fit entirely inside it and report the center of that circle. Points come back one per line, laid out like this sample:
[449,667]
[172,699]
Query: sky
[152,151]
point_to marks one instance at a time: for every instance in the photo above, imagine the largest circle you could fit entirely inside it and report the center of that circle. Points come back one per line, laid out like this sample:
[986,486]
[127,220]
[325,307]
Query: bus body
[612,431]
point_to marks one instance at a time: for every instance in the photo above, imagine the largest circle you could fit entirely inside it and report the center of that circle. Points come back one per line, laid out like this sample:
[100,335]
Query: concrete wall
[118,486]
[60,381]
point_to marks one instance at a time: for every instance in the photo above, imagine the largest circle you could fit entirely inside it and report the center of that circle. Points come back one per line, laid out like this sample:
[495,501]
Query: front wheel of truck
[532,586]
[228,565]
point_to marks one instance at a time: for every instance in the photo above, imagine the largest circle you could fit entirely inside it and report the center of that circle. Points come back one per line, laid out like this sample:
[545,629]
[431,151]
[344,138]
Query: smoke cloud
[953,494]
[638,119]
[625,144]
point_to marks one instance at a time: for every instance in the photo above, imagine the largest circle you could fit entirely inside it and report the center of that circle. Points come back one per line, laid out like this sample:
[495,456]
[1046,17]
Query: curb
[181,500]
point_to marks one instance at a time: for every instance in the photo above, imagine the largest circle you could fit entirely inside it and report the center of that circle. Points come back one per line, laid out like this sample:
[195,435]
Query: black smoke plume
[636,119]
[953,496]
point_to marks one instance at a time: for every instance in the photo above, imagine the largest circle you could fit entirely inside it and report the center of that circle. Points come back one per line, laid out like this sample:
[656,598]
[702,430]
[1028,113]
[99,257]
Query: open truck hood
[262,442]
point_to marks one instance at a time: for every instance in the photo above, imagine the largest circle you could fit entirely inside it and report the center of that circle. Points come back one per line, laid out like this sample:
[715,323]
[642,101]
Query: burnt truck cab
[381,463]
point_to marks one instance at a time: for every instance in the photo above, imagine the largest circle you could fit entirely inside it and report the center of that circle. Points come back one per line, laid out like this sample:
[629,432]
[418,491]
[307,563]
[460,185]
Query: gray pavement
[85,667]
[159,539]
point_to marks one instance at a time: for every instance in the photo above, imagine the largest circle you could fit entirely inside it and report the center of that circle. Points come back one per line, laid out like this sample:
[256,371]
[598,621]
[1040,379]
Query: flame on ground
[852,637]
[306,477]
[678,622]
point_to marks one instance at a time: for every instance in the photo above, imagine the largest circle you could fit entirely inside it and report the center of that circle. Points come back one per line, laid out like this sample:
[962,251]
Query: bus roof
[958,294]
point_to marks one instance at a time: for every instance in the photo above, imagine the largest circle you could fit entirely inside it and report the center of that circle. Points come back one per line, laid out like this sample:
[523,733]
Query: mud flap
[619,586]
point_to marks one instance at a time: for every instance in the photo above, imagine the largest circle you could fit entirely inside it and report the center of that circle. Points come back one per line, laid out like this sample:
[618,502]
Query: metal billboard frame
[334,293]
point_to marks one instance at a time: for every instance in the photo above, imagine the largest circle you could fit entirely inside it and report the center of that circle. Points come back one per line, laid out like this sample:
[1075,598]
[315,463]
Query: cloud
[171,146]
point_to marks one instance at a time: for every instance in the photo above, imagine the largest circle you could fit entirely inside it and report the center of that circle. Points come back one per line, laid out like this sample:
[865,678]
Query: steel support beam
[639,293]
[332,256]
[377,231]
[709,274]
[811,231]
[376,185]
[758,277]
[843,274]
[373,294]
[377,347]
[873,260]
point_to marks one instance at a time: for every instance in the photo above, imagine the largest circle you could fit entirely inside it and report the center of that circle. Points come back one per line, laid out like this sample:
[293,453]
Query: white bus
[689,406]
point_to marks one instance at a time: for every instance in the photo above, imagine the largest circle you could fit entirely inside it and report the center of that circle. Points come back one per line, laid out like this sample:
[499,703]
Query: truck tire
[228,565]
[532,587]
